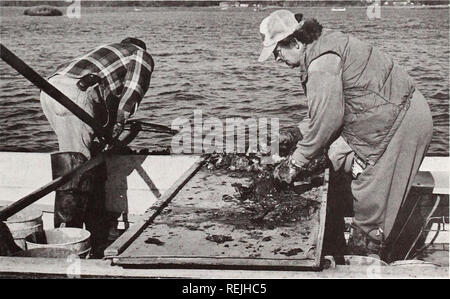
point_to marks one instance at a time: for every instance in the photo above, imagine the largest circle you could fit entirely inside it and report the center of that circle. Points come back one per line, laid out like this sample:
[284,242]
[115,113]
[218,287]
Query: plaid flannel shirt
[124,69]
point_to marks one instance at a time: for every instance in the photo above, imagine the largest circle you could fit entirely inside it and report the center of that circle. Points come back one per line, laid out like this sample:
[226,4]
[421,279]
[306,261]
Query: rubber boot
[364,244]
[7,245]
[339,197]
[71,198]
[96,217]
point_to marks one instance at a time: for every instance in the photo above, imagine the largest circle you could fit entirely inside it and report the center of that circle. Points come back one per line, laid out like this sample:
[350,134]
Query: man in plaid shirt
[117,73]
[124,71]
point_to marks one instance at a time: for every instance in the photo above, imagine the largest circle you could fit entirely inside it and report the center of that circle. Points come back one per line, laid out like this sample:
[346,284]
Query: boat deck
[155,181]
[42,267]
[204,224]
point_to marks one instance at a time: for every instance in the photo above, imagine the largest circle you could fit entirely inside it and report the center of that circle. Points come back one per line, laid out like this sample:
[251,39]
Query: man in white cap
[362,107]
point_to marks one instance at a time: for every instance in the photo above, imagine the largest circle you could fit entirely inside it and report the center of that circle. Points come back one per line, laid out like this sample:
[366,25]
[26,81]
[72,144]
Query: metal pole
[26,71]
[52,186]
[151,127]
[34,196]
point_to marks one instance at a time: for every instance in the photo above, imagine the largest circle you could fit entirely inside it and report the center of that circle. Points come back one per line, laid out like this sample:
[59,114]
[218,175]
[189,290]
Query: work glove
[118,127]
[288,140]
[117,130]
[286,171]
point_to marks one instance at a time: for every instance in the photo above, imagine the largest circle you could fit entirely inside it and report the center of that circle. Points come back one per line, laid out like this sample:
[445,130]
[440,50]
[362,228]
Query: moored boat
[47,11]
[338,9]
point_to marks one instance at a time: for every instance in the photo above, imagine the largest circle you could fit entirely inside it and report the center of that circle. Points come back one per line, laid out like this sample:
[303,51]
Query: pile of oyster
[265,198]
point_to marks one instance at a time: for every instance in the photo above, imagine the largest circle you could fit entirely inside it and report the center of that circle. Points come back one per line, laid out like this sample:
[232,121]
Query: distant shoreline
[212,3]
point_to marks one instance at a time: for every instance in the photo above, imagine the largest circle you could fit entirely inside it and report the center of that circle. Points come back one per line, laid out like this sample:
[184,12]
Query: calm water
[206,59]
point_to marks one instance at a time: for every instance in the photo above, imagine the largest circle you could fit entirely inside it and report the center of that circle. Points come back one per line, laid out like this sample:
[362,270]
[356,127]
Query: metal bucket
[76,240]
[45,252]
[23,224]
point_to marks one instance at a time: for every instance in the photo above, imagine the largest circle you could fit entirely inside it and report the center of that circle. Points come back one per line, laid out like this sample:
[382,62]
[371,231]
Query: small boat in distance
[338,9]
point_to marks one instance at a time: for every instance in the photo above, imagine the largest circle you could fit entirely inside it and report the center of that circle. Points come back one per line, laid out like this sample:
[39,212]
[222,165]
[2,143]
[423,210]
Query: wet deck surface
[39,267]
[437,254]
[206,220]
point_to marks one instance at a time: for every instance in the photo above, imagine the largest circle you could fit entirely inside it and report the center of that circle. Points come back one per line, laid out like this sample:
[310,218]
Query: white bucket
[24,223]
[76,240]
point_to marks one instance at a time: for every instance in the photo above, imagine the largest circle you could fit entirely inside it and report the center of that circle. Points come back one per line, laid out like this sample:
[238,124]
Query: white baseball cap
[274,28]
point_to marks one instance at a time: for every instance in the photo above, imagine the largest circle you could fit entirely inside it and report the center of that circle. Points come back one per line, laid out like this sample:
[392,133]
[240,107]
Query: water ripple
[206,58]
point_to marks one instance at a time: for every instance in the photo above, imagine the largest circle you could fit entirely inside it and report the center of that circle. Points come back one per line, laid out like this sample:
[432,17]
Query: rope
[436,204]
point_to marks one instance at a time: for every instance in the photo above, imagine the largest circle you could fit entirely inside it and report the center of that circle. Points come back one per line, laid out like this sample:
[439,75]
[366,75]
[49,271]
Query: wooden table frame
[115,251]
